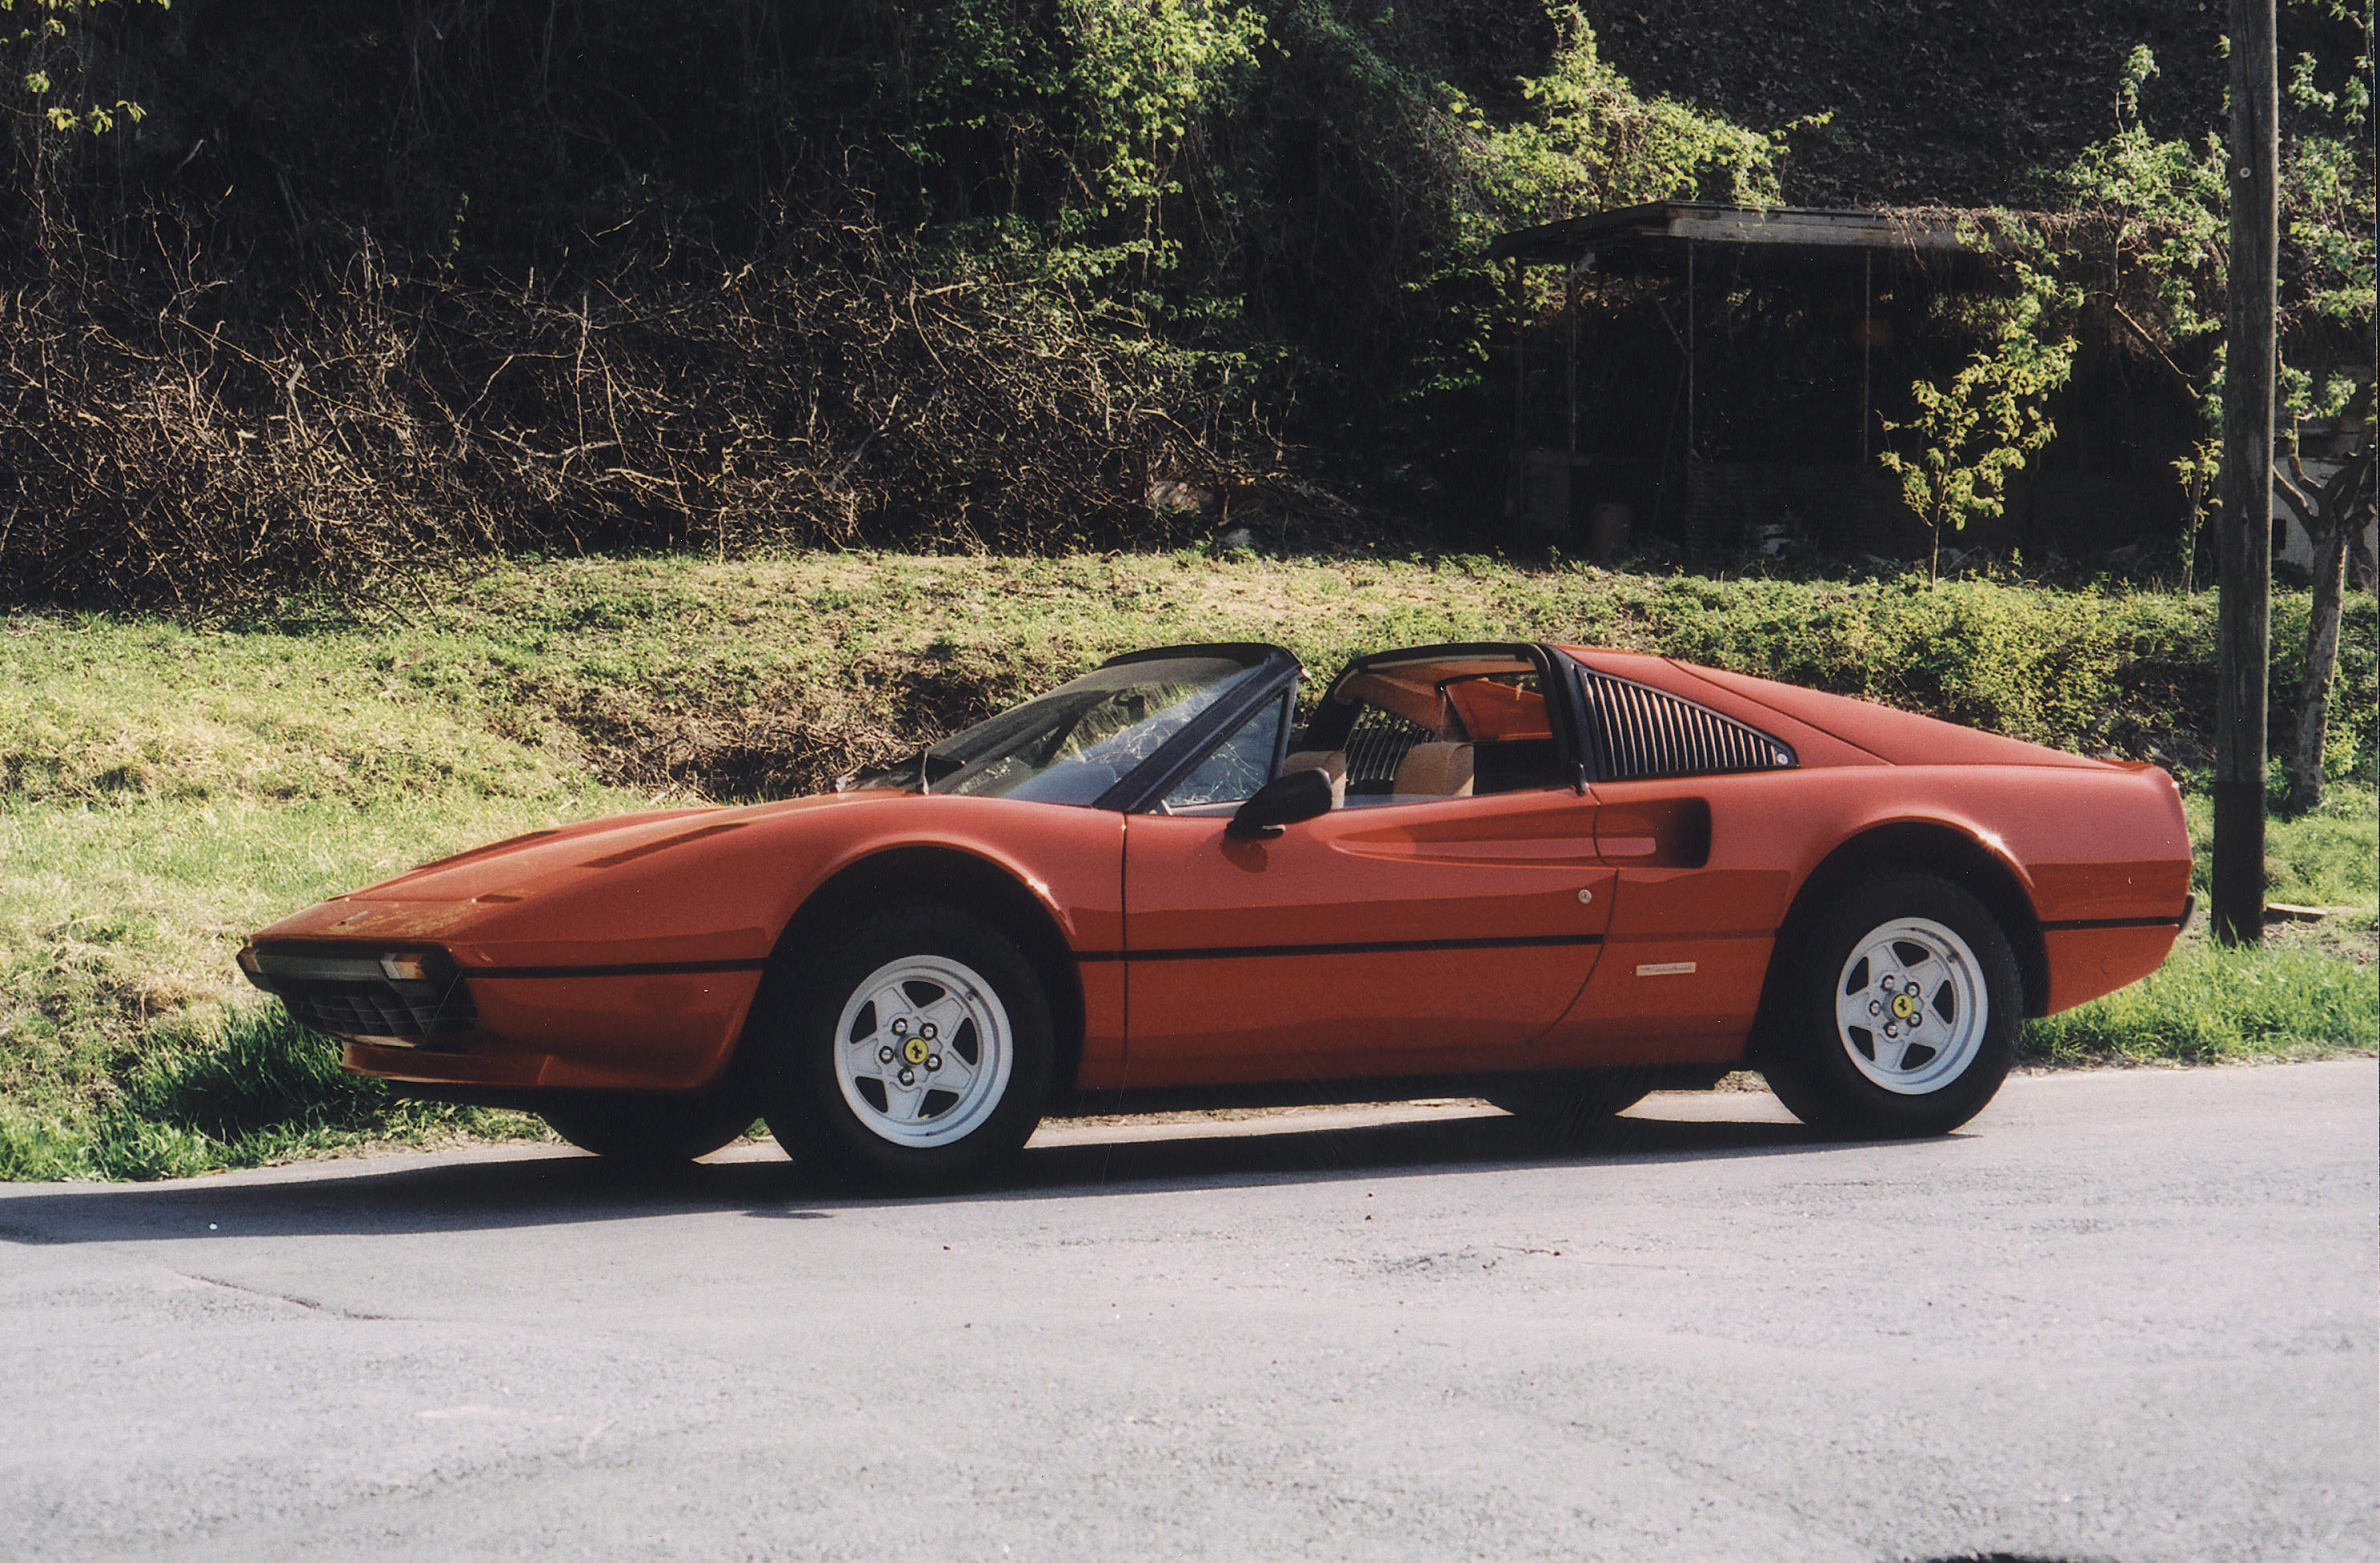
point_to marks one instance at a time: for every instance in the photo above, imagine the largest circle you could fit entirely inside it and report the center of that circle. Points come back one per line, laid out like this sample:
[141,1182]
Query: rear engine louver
[1638,733]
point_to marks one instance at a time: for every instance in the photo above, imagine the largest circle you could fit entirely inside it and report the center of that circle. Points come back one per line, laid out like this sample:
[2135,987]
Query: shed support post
[1690,365]
[1516,487]
[1570,365]
[1867,343]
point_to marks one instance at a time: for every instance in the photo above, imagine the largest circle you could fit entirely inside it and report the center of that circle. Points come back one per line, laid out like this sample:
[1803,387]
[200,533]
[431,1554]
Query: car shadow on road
[565,1188]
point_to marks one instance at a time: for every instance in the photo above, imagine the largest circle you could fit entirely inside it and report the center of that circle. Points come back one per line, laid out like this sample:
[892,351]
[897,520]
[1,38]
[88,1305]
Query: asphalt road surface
[2127,1316]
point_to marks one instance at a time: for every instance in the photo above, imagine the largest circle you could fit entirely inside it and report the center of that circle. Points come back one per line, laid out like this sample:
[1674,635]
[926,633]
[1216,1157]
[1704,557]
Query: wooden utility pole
[2243,630]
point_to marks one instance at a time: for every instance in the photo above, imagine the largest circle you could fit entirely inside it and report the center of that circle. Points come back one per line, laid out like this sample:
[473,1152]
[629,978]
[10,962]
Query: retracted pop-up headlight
[415,966]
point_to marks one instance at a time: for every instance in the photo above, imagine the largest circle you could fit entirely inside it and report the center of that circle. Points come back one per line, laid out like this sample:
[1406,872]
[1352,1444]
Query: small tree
[2332,512]
[1976,430]
[2164,206]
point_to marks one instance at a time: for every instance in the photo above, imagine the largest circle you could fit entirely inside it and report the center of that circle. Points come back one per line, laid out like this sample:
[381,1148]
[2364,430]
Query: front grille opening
[1638,734]
[403,1011]
[352,997]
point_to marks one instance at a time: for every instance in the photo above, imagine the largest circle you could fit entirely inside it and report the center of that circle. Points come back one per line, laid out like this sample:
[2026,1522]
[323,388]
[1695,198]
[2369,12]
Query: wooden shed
[1721,376]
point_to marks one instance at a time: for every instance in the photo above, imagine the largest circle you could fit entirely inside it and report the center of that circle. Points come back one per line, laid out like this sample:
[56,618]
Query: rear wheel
[914,1049]
[1900,1012]
[650,1131]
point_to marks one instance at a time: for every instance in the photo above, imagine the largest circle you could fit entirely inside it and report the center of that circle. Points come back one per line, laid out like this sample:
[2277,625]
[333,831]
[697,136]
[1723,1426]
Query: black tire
[1919,943]
[950,1083]
[650,1131]
[1571,1106]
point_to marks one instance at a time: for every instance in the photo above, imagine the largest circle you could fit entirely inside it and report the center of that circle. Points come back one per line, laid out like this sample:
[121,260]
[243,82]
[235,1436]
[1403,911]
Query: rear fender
[1969,857]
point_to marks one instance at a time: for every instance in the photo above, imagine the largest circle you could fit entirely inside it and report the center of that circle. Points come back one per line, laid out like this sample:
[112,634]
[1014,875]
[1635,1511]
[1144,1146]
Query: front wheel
[1900,1012]
[914,1048]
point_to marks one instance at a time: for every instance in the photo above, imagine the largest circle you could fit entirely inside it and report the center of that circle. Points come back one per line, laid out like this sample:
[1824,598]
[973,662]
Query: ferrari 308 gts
[1555,877]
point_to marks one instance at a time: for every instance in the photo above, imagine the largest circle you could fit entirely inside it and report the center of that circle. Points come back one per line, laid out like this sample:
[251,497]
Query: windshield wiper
[920,769]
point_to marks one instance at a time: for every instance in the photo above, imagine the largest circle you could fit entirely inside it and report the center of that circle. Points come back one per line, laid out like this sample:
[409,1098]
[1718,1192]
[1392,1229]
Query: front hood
[475,894]
[697,884]
[512,870]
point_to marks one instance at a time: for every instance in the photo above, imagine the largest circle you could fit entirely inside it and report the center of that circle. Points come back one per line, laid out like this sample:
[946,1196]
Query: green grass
[249,1088]
[166,789]
[2310,991]
[2326,857]
[2210,1005]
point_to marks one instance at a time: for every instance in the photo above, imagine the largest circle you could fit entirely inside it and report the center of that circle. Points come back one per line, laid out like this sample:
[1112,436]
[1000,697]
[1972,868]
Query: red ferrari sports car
[1552,876]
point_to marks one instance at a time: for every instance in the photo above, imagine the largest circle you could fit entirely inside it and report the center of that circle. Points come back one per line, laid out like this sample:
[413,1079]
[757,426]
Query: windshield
[1075,742]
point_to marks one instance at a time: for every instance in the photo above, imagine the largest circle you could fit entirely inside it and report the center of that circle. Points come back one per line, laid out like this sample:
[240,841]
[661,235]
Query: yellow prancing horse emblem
[914,1050]
[1903,1007]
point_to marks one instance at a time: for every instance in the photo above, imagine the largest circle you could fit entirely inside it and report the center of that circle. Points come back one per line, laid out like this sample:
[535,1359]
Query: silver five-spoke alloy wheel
[923,1051]
[1911,1005]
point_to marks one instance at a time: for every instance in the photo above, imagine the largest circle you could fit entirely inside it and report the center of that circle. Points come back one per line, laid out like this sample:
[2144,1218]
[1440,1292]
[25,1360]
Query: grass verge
[248,1089]
[166,787]
[2209,1004]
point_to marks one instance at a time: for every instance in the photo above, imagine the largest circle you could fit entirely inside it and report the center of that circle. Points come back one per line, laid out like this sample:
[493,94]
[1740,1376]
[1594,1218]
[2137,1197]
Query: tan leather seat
[1330,762]
[1434,770]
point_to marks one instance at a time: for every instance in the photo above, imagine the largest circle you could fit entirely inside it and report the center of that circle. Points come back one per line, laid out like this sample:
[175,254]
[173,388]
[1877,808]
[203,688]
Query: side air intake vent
[1637,733]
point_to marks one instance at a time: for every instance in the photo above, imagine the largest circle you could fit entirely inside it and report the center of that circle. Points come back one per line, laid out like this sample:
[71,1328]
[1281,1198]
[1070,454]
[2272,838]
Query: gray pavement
[2127,1316]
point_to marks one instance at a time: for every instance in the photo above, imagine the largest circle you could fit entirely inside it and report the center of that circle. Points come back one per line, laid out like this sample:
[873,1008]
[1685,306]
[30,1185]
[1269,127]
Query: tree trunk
[2332,514]
[2321,659]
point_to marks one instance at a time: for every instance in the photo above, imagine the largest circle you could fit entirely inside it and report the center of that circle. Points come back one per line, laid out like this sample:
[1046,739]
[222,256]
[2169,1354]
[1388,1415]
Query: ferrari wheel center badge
[915,1050]
[1904,1006]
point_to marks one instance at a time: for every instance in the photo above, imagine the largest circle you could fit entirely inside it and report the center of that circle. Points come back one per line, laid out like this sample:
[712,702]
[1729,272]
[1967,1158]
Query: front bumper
[417,1016]
[394,998]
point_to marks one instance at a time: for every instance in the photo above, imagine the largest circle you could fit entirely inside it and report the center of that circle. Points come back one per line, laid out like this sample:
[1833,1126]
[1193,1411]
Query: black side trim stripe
[1226,952]
[2093,922]
[1385,947]
[643,969]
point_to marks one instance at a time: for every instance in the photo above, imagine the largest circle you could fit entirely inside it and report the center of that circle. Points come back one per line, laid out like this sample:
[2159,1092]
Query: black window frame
[1284,700]
[1149,782]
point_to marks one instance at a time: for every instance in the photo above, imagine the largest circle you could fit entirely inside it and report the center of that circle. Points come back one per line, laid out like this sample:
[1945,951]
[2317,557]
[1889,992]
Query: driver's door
[1409,937]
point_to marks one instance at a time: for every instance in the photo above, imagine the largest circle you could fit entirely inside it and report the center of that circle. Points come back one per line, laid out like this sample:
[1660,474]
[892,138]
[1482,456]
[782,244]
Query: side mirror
[1285,800]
